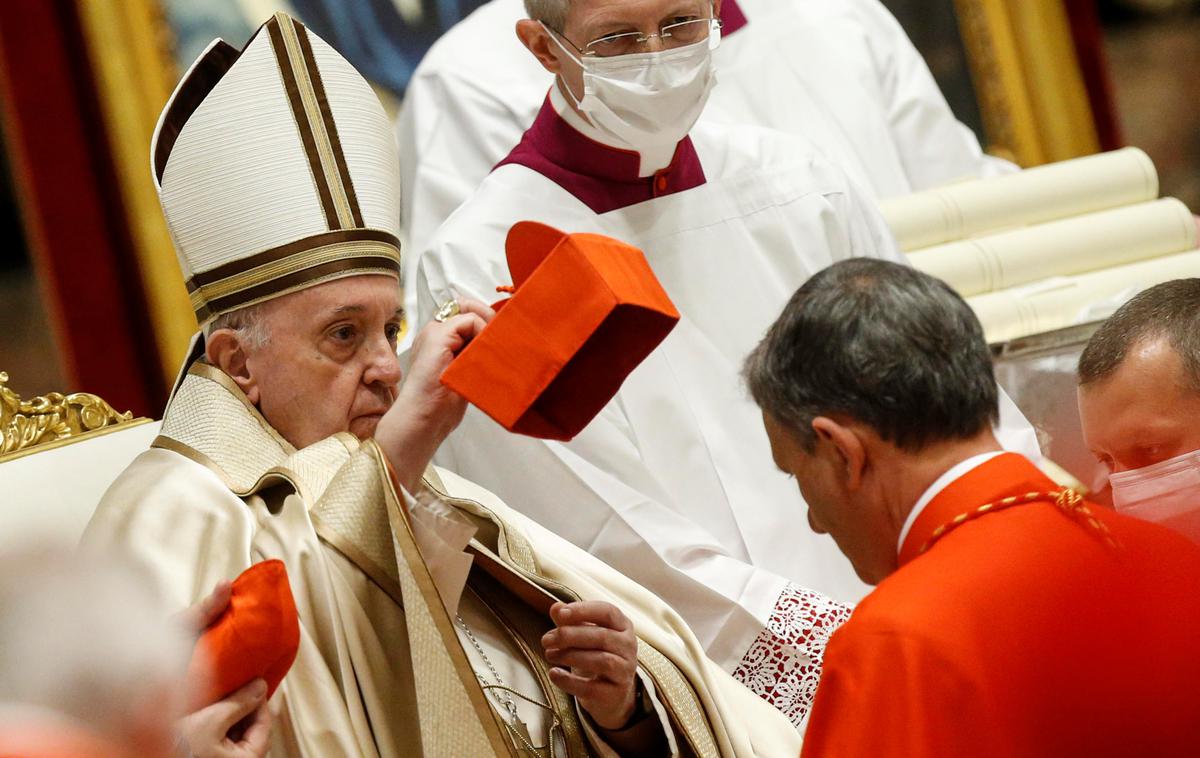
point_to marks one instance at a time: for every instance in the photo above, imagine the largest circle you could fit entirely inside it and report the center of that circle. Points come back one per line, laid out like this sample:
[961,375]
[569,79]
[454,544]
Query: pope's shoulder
[160,481]
[159,471]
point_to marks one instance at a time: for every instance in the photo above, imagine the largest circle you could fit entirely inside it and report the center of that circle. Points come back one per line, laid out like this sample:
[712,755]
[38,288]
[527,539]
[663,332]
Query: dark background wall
[933,28]
[1151,55]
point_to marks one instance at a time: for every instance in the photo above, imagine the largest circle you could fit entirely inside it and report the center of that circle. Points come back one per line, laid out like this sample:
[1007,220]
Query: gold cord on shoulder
[1067,500]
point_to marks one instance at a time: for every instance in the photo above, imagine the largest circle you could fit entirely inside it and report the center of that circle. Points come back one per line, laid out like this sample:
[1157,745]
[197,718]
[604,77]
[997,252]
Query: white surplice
[673,483]
[842,74]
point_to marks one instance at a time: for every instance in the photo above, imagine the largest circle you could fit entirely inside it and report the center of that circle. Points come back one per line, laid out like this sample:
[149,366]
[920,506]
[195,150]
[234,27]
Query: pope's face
[1142,414]
[330,364]
[851,518]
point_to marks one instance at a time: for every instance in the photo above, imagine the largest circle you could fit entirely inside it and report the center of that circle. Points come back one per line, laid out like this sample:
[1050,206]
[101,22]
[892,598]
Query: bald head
[1139,379]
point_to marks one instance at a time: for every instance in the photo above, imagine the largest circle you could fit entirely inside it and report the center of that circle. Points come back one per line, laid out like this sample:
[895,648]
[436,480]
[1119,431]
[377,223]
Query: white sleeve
[451,133]
[867,233]
[621,515]
[598,493]
[934,146]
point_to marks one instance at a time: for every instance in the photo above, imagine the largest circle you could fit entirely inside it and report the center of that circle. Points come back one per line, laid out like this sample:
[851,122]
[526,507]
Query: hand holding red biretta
[256,637]
[585,311]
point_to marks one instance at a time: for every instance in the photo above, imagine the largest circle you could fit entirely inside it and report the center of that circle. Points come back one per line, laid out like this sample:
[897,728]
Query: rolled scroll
[1059,248]
[1033,196]
[1063,301]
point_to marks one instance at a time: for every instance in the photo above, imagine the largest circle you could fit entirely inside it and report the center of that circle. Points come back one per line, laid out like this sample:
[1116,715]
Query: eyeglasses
[675,34]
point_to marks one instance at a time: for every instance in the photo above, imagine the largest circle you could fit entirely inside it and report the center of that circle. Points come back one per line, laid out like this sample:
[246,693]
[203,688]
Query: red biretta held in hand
[586,310]
[256,637]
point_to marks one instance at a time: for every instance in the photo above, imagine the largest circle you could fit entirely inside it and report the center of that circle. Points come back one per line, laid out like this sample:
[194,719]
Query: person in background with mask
[671,484]
[1010,616]
[1139,402]
[842,74]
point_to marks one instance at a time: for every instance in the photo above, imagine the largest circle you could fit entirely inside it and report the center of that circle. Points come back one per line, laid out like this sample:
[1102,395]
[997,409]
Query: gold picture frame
[1027,79]
[129,45]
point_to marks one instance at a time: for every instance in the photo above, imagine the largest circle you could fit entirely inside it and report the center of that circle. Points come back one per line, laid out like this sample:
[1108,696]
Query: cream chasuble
[381,670]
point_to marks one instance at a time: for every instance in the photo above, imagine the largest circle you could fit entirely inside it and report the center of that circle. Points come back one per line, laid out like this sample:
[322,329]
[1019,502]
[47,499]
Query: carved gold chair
[58,454]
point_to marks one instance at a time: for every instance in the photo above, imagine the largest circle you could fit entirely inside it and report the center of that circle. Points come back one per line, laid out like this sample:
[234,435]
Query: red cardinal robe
[1021,631]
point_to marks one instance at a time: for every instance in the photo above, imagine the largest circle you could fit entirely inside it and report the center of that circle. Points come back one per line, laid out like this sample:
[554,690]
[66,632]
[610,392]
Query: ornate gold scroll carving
[51,418]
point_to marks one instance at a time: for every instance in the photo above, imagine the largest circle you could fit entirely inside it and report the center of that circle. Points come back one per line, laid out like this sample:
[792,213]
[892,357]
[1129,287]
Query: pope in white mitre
[434,620]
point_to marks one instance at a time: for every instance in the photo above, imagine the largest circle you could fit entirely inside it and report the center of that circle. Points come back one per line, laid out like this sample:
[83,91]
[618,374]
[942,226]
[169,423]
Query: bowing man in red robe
[1010,617]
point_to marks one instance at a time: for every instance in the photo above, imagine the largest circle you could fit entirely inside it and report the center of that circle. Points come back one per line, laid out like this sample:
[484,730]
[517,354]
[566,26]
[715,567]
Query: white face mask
[1166,493]
[646,101]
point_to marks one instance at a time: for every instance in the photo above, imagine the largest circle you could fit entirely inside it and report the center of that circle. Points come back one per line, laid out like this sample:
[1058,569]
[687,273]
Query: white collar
[648,163]
[955,472]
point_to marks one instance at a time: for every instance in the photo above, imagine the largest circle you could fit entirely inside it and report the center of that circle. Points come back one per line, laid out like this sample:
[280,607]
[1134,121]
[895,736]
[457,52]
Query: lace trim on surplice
[783,664]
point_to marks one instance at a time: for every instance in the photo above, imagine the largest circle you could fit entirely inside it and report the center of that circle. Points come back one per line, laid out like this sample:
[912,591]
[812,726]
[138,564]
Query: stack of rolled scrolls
[1050,246]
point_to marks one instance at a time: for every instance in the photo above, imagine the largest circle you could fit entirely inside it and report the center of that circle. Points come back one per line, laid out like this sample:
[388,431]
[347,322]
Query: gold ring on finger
[448,310]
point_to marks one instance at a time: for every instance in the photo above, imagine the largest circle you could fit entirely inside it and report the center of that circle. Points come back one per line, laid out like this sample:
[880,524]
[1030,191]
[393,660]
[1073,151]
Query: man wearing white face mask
[1139,401]
[643,99]
[672,483]
[842,74]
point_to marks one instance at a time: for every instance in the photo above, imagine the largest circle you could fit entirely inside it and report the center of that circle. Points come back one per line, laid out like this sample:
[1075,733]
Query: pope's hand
[238,726]
[594,651]
[425,412]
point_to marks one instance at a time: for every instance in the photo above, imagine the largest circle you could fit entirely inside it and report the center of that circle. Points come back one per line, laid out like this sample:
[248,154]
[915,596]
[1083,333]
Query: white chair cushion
[51,495]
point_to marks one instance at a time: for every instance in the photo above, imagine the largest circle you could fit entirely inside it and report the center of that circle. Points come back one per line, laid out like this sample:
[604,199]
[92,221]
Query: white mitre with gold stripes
[276,170]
